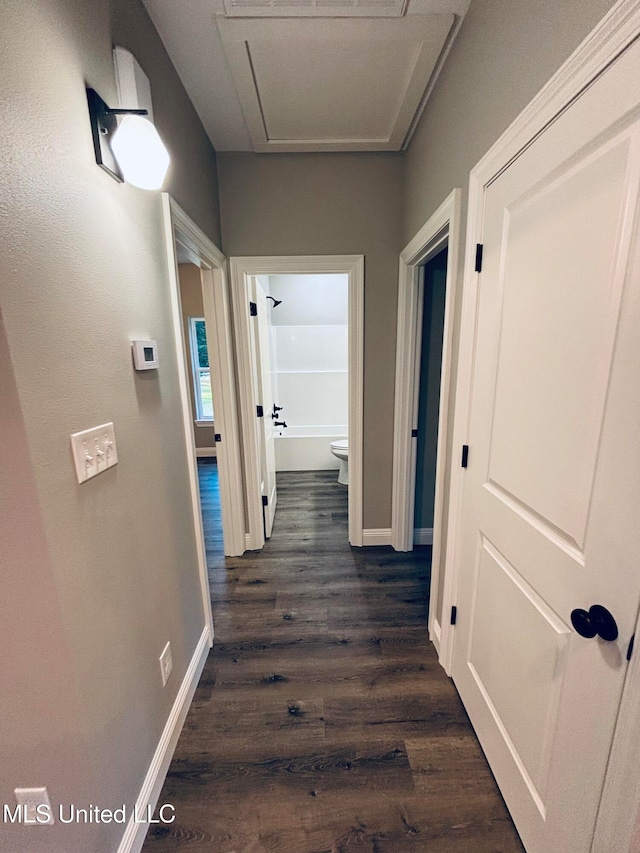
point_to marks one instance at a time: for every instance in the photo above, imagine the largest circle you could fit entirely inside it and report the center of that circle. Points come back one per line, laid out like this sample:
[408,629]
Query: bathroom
[309,371]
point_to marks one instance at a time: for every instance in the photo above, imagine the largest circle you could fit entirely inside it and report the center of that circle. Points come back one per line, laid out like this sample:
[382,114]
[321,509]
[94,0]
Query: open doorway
[423,409]
[202,330]
[194,333]
[196,347]
[299,341]
[434,279]
[303,373]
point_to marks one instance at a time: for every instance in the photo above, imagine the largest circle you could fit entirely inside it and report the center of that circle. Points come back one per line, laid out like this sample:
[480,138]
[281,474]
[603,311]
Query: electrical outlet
[35,806]
[94,450]
[166,663]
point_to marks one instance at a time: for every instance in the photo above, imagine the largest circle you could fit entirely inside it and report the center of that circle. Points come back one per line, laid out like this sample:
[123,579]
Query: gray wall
[505,52]
[331,204]
[96,578]
[374,203]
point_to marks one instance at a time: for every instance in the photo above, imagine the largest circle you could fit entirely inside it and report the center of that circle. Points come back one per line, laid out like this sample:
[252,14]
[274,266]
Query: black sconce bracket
[104,123]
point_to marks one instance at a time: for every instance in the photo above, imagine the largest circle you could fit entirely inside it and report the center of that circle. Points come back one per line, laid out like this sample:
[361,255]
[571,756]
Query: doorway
[266,440]
[428,266]
[300,341]
[206,377]
[548,588]
[433,276]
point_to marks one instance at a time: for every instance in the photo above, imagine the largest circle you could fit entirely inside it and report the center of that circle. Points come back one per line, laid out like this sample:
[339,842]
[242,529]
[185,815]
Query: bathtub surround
[310,368]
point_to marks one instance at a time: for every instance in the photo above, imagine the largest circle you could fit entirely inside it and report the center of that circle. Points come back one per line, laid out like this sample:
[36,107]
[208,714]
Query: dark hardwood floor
[323,722]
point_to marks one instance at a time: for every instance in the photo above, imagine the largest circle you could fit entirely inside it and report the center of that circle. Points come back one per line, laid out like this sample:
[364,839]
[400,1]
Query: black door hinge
[414,433]
[260,411]
[479,251]
[217,438]
[465,456]
[630,647]
[253,309]
[454,615]
[265,500]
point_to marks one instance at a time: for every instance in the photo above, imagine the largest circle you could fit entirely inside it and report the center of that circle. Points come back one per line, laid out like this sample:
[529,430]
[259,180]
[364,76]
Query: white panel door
[551,498]
[264,396]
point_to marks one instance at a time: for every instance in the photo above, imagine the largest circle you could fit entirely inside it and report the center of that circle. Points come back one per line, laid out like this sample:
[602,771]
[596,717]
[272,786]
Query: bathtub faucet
[280,423]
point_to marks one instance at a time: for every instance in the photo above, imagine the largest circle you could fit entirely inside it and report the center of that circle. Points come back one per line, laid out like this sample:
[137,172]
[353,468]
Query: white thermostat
[145,354]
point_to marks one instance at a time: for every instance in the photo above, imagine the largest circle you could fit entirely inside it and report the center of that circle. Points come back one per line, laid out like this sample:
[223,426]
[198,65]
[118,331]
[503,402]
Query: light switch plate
[36,806]
[94,450]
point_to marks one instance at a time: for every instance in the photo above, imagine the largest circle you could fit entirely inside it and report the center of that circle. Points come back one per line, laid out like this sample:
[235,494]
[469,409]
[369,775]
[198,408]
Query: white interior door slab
[551,499]
[264,394]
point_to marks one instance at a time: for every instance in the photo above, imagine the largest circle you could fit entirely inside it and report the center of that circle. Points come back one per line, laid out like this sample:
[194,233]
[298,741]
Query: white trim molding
[181,230]
[442,229]
[205,452]
[376,536]
[435,633]
[135,832]
[423,536]
[618,816]
[241,270]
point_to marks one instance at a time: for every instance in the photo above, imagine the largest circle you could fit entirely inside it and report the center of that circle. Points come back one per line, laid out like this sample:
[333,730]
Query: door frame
[442,230]
[241,269]
[619,810]
[180,230]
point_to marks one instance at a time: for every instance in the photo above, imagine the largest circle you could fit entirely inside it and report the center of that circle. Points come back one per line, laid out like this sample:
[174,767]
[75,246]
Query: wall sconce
[130,150]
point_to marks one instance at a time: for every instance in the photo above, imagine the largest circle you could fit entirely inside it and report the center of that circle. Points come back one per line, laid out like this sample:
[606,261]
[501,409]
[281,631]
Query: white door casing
[242,269]
[264,395]
[550,497]
[180,230]
[441,229]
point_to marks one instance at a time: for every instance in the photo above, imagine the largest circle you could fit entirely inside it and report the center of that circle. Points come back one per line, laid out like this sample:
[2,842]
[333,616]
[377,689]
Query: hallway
[323,721]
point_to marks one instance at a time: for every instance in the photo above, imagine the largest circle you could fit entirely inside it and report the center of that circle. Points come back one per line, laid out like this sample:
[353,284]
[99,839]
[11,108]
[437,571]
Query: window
[201,375]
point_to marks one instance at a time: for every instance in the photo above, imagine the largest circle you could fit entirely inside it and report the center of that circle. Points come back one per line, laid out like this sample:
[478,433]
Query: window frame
[197,371]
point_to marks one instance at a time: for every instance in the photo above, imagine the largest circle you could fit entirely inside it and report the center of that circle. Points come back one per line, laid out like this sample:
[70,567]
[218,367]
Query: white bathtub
[307,448]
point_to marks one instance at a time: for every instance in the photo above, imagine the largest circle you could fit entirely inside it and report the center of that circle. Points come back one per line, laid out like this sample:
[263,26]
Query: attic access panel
[314,8]
[332,85]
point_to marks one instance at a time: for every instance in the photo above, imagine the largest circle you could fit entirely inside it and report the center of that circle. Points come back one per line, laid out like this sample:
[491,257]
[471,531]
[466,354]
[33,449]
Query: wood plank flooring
[323,722]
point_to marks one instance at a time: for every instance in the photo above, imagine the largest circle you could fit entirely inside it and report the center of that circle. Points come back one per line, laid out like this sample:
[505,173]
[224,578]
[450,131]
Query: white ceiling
[352,77]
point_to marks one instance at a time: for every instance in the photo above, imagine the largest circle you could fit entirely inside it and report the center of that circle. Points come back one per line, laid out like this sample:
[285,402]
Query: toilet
[340,449]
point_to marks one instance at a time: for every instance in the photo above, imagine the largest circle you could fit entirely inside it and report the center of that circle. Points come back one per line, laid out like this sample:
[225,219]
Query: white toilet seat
[340,449]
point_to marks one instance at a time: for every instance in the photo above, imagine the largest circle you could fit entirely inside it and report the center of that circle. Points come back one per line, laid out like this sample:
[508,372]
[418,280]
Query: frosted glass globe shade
[140,153]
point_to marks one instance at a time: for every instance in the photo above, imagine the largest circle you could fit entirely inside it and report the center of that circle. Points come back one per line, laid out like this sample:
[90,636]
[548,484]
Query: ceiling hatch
[325,85]
[314,8]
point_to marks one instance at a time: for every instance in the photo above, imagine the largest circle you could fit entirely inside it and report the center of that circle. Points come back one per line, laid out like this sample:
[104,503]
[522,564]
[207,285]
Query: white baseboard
[423,536]
[376,536]
[135,833]
[205,451]
[435,634]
